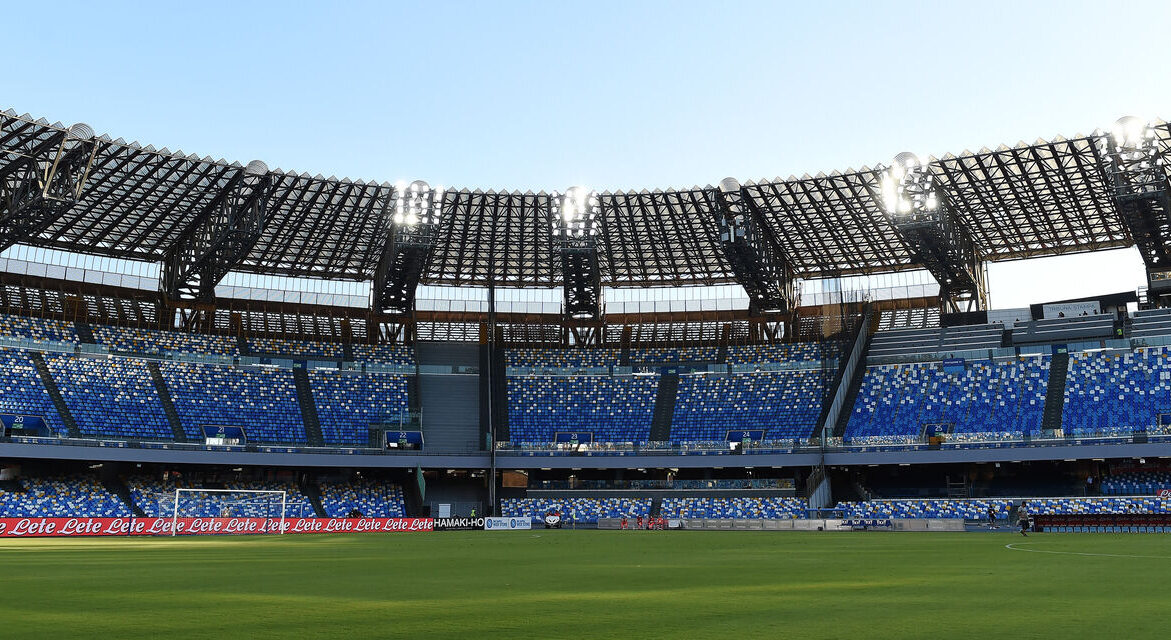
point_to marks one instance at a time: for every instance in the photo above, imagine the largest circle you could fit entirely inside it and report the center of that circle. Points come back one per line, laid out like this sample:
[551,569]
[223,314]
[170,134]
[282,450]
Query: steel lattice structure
[1040,199]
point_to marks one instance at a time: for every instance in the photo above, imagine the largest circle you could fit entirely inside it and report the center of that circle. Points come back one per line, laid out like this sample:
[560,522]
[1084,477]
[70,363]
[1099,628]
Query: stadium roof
[1033,199]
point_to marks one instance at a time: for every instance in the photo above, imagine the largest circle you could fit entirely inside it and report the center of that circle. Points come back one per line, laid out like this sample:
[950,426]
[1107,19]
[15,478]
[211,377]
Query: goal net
[259,511]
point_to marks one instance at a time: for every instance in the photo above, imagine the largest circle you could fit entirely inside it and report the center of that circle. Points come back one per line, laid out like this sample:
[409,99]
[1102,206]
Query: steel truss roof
[1040,199]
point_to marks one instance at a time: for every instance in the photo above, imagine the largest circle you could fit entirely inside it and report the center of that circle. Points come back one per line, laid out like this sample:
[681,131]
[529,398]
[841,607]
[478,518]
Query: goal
[227,503]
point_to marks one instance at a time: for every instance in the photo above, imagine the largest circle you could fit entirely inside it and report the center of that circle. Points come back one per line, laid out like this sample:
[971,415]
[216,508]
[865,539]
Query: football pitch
[589,584]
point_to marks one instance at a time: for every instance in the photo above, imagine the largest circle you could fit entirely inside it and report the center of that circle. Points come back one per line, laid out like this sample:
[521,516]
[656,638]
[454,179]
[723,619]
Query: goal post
[224,499]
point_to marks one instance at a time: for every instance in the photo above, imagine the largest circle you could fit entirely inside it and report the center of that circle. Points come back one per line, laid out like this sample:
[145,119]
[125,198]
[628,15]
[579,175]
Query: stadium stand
[22,392]
[1150,323]
[150,341]
[994,399]
[583,510]
[757,508]
[580,358]
[1131,483]
[1074,506]
[348,403]
[113,397]
[966,509]
[156,498]
[656,355]
[296,348]
[60,497]
[615,409]
[263,401]
[784,404]
[38,330]
[385,354]
[1063,329]
[1109,392]
[936,340]
[773,353]
[371,499]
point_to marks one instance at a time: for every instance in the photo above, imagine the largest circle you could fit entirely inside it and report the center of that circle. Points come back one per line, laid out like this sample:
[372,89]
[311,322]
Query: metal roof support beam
[576,223]
[220,238]
[1137,163]
[756,257]
[411,237]
[919,211]
[37,189]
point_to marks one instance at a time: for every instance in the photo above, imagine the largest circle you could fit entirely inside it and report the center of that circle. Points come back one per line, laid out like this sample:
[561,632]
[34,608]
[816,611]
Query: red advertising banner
[65,527]
[1165,493]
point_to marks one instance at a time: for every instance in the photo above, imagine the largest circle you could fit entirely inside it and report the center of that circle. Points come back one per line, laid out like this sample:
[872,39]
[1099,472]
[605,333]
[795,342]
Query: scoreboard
[223,434]
[20,425]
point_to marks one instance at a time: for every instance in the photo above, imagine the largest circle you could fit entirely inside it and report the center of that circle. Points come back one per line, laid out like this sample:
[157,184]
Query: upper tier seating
[371,499]
[614,409]
[1106,392]
[1136,483]
[784,404]
[966,509]
[656,355]
[150,341]
[384,353]
[586,510]
[61,497]
[1063,329]
[23,393]
[347,403]
[110,397]
[37,329]
[578,358]
[296,348]
[774,353]
[1072,506]
[1003,399]
[763,508]
[263,401]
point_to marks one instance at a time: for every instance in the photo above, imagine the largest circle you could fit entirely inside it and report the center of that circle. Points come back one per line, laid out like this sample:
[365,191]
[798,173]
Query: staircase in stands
[664,406]
[1055,393]
[308,407]
[168,403]
[55,394]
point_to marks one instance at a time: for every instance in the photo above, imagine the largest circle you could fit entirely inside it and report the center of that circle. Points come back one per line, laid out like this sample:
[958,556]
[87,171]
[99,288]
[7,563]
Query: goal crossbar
[178,492]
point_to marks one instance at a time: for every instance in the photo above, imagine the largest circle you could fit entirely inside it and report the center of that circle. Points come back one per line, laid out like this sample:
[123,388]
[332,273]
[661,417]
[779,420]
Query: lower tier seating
[616,409]
[966,509]
[60,497]
[156,498]
[1136,483]
[586,510]
[764,508]
[783,404]
[371,499]
[1074,506]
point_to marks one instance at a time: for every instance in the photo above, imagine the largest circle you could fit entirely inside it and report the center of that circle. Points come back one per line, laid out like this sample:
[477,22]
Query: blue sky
[609,95]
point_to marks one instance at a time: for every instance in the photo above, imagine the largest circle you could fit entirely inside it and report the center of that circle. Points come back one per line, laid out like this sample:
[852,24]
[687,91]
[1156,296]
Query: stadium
[238,400]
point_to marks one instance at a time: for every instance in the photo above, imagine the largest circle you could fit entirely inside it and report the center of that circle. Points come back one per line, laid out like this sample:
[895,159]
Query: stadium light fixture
[575,213]
[907,188]
[417,203]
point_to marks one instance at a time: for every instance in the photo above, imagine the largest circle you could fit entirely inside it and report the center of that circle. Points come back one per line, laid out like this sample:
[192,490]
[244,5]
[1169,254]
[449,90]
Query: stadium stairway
[1055,393]
[242,345]
[54,394]
[117,487]
[167,402]
[308,407]
[656,507]
[494,387]
[348,351]
[313,493]
[664,406]
[450,403]
[85,332]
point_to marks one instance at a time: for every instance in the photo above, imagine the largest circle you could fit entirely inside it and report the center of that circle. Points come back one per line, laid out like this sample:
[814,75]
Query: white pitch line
[1078,553]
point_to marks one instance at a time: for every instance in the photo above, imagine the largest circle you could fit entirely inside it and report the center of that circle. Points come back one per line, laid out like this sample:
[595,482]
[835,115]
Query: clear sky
[545,95]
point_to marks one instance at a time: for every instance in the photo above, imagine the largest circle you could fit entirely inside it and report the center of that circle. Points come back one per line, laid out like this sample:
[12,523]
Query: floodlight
[1129,132]
[417,203]
[574,213]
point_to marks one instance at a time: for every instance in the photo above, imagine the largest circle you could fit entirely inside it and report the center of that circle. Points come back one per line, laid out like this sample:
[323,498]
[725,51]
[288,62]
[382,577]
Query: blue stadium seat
[584,510]
[263,401]
[784,404]
[617,409]
[348,403]
[113,397]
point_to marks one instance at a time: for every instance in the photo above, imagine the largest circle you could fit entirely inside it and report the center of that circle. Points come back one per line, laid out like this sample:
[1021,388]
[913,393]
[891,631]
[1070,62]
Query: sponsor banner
[552,520]
[1070,309]
[868,523]
[63,527]
[458,524]
[1165,493]
[507,524]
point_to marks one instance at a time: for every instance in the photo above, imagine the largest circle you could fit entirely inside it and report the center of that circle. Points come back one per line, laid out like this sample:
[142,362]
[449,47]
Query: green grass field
[589,584]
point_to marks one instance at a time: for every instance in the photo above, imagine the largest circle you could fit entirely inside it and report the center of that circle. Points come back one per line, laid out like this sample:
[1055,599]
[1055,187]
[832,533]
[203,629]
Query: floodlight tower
[37,188]
[918,208]
[757,259]
[1137,163]
[412,231]
[576,221]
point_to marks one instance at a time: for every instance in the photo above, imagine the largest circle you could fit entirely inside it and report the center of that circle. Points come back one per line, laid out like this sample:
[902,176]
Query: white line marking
[1077,553]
